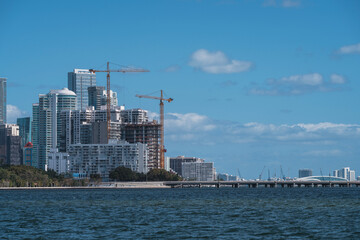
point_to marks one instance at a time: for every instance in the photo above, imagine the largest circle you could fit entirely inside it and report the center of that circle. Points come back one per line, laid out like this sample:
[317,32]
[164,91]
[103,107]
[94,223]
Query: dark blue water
[207,213]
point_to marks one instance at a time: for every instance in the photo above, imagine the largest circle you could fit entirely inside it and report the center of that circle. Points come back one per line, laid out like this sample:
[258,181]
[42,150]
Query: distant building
[49,121]
[305,173]
[113,98]
[134,116]
[198,171]
[87,159]
[2,100]
[10,148]
[95,96]
[176,163]
[147,133]
[58,161]
[88,126]
[35,134]
[28,155]
[346,173]
[227,177]
[79,81]
[24,130]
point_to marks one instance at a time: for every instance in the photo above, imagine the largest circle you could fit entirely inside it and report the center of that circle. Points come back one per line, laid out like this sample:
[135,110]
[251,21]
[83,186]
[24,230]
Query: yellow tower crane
[108,70]
[162,147]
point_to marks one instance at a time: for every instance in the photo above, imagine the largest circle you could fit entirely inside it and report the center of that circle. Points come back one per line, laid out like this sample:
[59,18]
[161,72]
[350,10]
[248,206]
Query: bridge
[266,184]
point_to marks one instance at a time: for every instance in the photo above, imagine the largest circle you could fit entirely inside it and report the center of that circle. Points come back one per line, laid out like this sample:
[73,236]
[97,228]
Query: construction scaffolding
[147,133]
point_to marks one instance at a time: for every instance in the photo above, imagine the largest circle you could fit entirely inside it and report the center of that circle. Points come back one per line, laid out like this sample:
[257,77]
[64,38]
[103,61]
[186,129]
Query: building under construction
[135,128]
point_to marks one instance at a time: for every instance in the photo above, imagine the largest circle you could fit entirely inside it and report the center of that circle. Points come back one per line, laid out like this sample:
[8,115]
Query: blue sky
[255,83]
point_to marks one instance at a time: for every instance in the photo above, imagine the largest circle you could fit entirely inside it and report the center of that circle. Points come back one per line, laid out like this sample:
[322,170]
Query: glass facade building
[2,100]
[79,81]
[24,130]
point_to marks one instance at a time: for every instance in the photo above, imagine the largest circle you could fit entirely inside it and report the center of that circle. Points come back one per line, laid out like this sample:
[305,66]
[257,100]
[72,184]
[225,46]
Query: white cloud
[281,3]
[172,68]
[300,84]
[13,112]
[350,49]
[188,122]
[337,79]
[217,62]
[323,153]
[291,3]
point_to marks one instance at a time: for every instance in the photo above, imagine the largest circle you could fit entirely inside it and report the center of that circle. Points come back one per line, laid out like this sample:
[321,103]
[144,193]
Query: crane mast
[162,146]
[108,98]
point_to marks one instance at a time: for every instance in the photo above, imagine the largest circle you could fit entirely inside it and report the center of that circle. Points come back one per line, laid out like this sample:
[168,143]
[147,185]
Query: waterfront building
[10,148]
[79,81]
[24,130]
[176,163]
[87,159]
[305,173]
[95,96]
[2,100]
[28,155]
[58,161]
[198,171]
[346,173]
[49,121]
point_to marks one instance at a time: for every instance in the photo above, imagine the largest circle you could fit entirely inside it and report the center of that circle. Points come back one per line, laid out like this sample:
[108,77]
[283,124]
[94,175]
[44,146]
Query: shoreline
[112,185]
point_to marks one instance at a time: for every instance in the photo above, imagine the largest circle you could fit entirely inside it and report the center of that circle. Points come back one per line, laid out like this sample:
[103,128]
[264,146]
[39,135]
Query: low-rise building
[176,163]
[87,159]
[58,161]
[198,171]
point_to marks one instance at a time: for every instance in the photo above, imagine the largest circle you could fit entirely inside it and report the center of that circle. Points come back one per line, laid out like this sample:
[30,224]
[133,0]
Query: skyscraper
[35,134]
[79,81]
[2,100]
[49,126]
[24,130]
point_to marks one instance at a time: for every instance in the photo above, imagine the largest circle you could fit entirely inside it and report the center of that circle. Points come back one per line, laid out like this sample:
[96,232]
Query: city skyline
[255,83]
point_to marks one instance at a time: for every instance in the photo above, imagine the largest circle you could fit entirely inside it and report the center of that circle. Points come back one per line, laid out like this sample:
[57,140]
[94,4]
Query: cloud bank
[299,85]
[217,62]
[350,49]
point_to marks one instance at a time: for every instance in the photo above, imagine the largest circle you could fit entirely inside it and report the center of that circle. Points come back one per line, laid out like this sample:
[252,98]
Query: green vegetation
[126,174]
[25,176]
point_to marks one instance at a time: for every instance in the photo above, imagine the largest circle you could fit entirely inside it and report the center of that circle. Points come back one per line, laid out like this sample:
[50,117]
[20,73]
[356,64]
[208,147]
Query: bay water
[205,213]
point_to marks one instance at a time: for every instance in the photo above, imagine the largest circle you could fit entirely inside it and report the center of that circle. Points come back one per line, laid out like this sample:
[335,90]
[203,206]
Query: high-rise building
[24,130]
[49,128]
[198,171]
[346,173]
[176,163]
[79,81]
[147,133]
[113,98]
[87,159]
[35,134]
[88,126]
[2,100]
[305,173]
[10,149]
[95,94]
